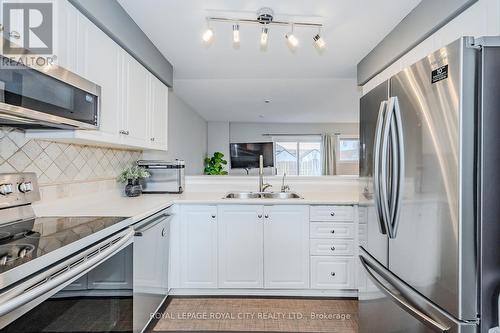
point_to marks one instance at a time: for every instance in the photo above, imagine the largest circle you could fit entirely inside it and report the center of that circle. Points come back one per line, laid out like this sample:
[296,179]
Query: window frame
[337,146]
[298,140]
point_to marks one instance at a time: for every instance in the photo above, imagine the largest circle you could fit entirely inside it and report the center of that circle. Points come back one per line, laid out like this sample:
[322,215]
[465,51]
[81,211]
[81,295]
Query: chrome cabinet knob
[153,139]
[333,231]
[124,132]
[332,273]
[266,216]
[259,216]
[332,214]
[332,248]
[213,216]
[25,187]
[163,232]
[6,189]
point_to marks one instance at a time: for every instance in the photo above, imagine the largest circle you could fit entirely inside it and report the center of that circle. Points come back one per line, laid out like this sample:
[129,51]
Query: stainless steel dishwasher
[151,243]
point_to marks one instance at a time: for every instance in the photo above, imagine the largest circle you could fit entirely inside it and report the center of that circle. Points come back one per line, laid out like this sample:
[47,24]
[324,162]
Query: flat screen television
[246,155]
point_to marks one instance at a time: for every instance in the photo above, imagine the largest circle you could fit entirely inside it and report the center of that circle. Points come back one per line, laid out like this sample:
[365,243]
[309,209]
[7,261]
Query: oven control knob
[25,187]
[6,189]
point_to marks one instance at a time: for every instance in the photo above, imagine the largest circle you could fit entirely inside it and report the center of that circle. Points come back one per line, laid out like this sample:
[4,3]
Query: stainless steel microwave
[46,97]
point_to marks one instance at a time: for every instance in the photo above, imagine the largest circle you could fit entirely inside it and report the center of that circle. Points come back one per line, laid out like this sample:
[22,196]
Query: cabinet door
[98,59]
[136,115]
[159,114]
[286,246]
[241,237]
[65,34]
[114,273]
[199,247]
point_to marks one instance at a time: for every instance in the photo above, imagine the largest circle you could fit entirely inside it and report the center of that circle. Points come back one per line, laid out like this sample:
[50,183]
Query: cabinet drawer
[332,273]
[332,213]
[332,247]
[331,230]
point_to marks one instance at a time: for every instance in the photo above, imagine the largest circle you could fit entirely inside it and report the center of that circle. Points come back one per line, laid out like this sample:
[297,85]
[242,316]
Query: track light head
[264,36]
[208,35]
[292,40]
[236,33]
[319,41]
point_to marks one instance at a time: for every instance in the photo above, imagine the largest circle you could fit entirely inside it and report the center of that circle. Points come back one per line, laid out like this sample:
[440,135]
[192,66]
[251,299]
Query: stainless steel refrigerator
[430,177]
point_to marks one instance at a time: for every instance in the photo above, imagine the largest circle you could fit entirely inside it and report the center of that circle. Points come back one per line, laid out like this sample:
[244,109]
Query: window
[298,157]
[348,148]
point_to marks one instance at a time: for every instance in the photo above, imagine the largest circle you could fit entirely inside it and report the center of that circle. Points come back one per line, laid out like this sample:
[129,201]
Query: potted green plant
[215,165]
[131,176]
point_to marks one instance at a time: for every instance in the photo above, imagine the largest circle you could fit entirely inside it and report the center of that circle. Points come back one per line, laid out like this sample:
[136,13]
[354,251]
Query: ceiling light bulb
[236,33]
[208,35]
[292,40]
[319,41]
[264,37]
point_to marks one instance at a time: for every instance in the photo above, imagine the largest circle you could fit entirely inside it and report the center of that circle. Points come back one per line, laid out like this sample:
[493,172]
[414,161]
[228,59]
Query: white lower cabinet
[198,253]
[286,247]
[263,246]
[270,248]
[241,246]
[332,273]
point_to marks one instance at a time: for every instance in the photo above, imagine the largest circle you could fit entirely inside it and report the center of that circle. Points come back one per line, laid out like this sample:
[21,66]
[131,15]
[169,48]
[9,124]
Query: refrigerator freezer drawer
[331,230]
[332,273]
[332,247]
[391,306]
[332,213]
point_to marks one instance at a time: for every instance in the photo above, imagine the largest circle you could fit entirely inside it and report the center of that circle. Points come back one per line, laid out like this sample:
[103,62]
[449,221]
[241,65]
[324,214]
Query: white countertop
[112,203]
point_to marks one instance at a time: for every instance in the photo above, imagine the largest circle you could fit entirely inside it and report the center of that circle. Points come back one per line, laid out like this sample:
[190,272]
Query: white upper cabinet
[99,61]
[159,114]
[286,247]
[136,109]
[134,103]
[241,240]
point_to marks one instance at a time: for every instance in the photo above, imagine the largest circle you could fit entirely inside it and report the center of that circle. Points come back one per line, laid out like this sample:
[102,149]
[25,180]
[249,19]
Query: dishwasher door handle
[150,224]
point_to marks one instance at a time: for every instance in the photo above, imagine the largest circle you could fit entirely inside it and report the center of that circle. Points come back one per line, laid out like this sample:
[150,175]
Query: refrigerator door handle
[401,302]
[376,168]
[384,183]
[400,165]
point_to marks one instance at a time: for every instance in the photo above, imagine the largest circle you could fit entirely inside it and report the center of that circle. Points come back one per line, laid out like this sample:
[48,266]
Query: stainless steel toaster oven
[166,177]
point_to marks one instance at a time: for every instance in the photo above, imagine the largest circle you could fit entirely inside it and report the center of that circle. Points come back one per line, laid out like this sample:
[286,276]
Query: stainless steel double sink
[262,195]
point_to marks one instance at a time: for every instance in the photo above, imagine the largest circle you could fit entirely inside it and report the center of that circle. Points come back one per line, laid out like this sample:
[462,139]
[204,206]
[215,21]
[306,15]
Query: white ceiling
[224,83]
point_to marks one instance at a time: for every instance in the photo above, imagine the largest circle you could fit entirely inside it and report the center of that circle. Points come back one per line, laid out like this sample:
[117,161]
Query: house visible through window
[298,157]
[348,149]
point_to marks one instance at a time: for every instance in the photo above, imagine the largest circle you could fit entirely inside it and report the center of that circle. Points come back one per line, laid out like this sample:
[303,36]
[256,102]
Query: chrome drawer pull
[333,231]
[332,214]
[332,248]
[332,273]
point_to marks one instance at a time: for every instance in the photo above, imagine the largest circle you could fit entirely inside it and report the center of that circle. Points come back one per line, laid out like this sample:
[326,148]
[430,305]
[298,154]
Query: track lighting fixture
[265,17]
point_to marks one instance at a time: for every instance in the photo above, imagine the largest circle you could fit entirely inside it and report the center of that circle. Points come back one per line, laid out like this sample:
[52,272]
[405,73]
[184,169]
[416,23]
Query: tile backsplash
[56,162]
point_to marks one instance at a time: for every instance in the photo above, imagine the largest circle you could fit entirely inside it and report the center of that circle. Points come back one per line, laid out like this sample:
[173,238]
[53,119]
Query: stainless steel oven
[46,97]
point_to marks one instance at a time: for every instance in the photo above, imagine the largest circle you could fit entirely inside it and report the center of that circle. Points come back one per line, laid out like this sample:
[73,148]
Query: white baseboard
[349,293]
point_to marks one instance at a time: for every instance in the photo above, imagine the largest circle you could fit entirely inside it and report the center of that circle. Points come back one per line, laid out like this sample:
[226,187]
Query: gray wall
[425,19]
[111,18]
[187,136]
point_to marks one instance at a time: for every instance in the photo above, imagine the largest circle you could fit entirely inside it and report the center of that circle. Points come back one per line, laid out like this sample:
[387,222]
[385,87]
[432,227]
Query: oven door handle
[31,290]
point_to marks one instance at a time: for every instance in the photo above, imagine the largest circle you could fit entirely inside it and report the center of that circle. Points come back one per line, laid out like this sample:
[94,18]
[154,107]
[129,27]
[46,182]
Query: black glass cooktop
[23,241]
